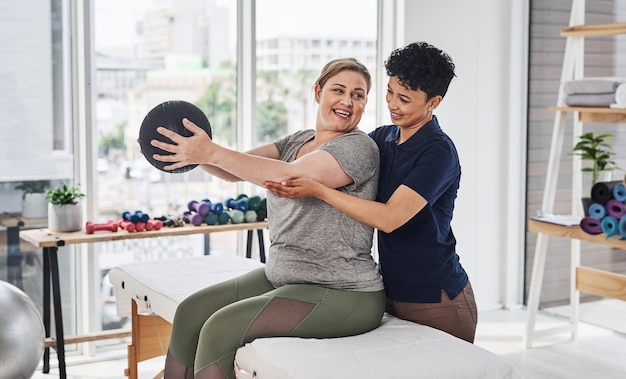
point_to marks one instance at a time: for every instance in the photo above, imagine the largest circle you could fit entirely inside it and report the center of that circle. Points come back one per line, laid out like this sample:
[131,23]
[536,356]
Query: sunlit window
[300,45]
[146,52]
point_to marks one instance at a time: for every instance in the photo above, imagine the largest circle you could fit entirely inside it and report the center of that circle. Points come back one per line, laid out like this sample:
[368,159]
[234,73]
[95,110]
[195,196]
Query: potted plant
[598,151]
[34,204]
[64,211]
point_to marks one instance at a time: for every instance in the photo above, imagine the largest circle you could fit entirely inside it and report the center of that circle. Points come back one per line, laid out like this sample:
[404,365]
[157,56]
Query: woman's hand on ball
[194,149]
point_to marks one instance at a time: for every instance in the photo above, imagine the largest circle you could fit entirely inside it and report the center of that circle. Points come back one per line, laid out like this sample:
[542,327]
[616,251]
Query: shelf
[590,280]
[575,232]
[47,238]
[593,114]
[583,278]
[598,30]
[601,283]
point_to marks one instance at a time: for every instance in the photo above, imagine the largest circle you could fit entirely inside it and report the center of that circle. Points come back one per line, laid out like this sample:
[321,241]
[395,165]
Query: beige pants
[457,316]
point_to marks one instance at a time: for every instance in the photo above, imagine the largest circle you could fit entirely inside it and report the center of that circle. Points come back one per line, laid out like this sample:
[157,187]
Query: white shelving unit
[582,278]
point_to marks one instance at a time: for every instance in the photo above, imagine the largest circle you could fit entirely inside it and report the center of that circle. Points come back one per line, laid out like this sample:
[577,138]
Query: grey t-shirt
[312,242]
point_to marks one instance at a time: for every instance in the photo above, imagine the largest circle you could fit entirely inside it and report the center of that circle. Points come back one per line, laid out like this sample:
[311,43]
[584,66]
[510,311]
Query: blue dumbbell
[241,205]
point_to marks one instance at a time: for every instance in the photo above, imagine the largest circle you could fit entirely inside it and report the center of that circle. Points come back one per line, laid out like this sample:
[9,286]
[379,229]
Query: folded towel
[596,85]
[620,97]
[590,100]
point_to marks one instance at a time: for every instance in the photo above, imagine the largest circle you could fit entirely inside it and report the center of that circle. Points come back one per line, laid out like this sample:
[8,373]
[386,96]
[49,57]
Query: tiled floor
[597,353]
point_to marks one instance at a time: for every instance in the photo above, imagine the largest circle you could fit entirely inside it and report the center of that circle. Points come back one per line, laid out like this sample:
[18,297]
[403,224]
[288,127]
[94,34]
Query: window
[148,52]
[285,91]
[145,52]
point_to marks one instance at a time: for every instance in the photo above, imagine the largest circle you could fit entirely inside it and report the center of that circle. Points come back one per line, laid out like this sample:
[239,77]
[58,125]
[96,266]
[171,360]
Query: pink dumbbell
[153,224]
[109,226]
[140,226]
[126,225]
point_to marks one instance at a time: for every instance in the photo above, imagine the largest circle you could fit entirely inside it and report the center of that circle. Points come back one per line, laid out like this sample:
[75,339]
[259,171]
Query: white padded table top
[158,287]
[398,349]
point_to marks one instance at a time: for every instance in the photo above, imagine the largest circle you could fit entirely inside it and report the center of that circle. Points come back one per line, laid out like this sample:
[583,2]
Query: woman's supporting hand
[295,188]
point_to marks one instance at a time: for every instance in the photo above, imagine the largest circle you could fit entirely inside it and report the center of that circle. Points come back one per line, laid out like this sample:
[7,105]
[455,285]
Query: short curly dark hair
[421,66]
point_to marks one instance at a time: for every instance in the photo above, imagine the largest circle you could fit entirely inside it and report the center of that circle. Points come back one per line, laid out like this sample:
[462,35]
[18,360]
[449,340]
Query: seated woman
[320,279]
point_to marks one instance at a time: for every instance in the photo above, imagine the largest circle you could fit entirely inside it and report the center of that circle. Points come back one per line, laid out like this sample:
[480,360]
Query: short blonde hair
[335,66]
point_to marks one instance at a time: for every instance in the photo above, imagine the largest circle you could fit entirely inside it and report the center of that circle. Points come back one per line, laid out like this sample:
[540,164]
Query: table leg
[261,245]
[56,297]
[14,256]
[46,306]
[249,244]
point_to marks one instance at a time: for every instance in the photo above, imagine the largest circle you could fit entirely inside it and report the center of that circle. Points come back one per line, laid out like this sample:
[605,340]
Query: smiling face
[409,109]
[341,101]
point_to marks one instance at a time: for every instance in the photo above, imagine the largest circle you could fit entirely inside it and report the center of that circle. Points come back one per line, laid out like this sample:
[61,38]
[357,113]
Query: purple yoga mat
[591,225]
[615,208]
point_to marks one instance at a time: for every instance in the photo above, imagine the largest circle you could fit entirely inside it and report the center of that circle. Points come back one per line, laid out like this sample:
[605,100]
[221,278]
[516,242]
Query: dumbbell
[200,207]
[193,218]
[126,225]
[241,205]
[217,208]
[140,226]
[154,224]
[254,202]
[250,216]
[108,226]
[135,217]
[211,218]
[236,216]
[170,221]
[223,218]
[127,216]
[263,205]
[214,207]
[261,215]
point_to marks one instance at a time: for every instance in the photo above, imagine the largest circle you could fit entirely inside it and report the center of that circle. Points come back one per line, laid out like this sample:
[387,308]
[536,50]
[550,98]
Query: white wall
[484,113]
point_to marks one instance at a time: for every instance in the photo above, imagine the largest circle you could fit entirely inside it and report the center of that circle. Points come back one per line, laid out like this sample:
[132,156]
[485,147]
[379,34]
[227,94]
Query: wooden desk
[51,241]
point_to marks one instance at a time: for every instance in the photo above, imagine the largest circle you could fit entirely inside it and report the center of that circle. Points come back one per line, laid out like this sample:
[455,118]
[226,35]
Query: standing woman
[419,179]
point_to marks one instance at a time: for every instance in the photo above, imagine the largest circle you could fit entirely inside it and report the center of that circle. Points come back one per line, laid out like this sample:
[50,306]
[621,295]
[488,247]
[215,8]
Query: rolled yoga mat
[597,211]
[615,208]
[619,192]
[602,192]
[609,226]
[621,227]
[590,225]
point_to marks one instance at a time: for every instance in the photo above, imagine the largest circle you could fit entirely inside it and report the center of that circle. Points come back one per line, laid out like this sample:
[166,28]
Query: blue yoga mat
[609,226]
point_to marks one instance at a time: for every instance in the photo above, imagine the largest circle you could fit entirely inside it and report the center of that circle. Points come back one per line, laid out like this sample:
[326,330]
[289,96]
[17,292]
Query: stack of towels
[606,212]
[596,92]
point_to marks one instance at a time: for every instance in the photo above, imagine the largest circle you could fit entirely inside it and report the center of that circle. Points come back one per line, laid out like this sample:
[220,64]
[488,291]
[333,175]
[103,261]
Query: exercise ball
[22,334]
[169,115]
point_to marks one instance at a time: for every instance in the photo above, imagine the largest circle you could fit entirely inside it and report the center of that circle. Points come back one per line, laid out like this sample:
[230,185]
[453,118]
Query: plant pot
[66,218]
[35,205]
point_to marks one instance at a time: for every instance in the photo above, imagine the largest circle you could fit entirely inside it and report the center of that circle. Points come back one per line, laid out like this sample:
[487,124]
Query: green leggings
[211,324]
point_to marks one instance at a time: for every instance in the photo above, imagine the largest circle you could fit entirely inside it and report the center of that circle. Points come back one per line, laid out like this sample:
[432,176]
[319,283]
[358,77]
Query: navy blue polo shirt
[419,259]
